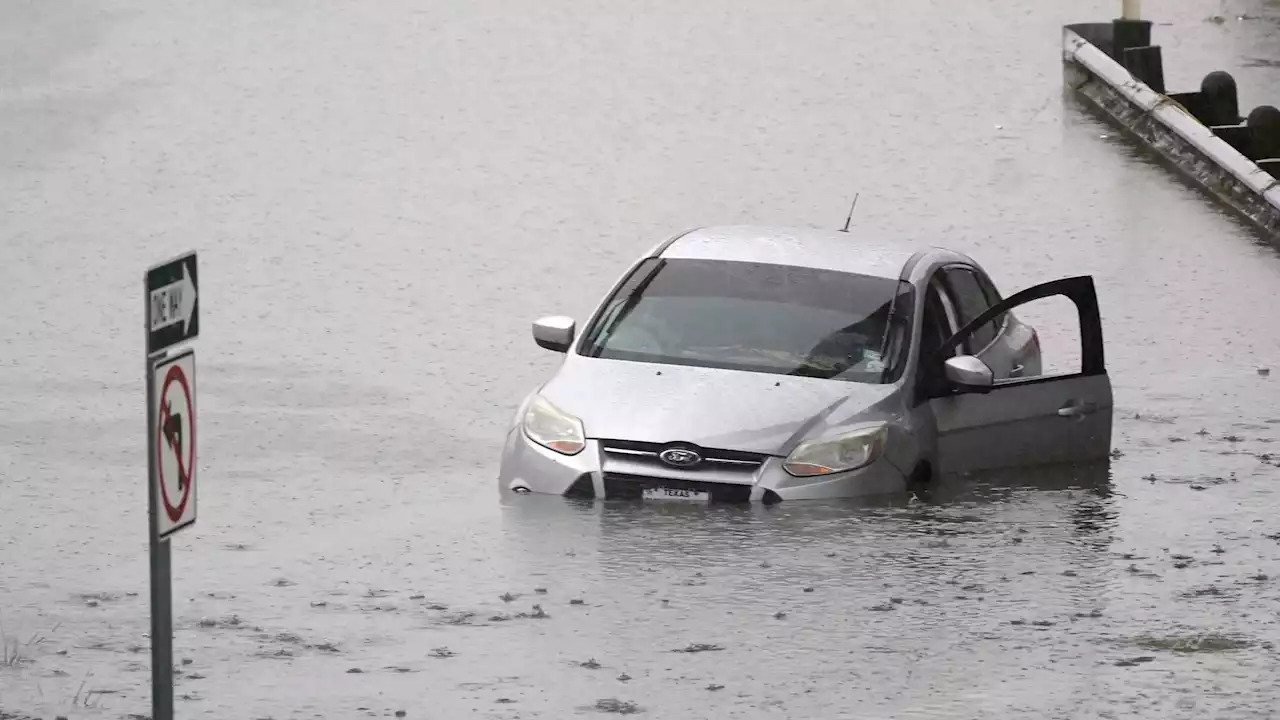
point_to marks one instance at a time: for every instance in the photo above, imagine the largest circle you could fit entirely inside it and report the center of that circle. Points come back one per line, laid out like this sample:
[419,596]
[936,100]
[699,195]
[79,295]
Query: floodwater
[384,195]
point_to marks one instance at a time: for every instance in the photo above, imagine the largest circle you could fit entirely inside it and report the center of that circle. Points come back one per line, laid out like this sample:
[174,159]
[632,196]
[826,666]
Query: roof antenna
[849,219]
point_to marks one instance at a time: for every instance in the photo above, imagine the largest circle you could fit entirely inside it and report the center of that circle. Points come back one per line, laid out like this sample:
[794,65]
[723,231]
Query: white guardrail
[1172,117]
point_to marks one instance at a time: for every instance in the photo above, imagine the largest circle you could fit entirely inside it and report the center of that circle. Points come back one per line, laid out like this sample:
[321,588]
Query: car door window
[971,301]
[993,298]
[935,327]
[939,321]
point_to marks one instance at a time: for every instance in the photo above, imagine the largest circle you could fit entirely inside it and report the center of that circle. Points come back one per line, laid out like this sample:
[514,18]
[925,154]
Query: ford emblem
[680,457]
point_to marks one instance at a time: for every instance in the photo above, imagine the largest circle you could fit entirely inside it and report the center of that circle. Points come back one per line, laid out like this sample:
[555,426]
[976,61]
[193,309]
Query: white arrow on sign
[174,303]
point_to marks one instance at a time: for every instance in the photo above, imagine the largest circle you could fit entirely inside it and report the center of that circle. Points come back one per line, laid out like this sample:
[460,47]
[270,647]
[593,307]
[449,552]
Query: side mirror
[969,373]
[554,332]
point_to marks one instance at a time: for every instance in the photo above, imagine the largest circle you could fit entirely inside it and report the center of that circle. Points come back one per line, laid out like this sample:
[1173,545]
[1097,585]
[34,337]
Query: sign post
[172,318]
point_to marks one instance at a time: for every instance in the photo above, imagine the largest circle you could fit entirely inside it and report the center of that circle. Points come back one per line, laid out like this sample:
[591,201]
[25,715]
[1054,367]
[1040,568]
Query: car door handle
[1017,370]
[1077,408]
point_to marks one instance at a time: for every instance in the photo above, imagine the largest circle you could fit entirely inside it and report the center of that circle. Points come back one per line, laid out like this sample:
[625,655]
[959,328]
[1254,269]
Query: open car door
[985,423]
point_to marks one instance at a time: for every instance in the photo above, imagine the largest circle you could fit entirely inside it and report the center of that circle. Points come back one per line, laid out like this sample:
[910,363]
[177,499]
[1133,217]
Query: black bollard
[1219,102]
[1264,126]
[1127,34]
[1145,64]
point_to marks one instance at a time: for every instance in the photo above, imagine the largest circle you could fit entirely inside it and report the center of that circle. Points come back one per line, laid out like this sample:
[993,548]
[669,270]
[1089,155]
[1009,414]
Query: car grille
[630,467]
[618,486]
[644,454]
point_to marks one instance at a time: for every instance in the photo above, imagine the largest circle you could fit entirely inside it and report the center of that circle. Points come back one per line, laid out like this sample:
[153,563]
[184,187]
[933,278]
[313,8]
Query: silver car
[760,364]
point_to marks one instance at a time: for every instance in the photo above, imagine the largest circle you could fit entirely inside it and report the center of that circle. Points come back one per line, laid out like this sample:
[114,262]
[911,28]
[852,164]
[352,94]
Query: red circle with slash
[186,466]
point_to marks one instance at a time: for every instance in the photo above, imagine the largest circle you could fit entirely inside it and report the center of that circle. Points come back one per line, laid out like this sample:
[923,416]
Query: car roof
[805,247]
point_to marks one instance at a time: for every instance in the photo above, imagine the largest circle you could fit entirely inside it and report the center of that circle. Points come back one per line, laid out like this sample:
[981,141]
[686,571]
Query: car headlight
[848,451]
[553,428]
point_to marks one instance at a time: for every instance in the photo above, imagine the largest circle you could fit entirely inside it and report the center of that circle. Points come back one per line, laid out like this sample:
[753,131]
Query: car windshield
[754,316]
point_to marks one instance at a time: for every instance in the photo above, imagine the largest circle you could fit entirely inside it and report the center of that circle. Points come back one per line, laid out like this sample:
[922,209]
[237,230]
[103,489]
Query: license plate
[665,493]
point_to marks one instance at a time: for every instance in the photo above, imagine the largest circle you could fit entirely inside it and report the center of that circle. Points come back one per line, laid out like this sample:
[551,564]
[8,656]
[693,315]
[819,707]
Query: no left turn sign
[175,442]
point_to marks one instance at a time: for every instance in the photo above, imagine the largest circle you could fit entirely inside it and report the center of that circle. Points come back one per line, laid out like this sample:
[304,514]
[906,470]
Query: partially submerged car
[759,364]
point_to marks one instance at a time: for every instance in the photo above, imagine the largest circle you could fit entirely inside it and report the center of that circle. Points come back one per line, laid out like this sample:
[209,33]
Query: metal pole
[161,588]
[1130,9]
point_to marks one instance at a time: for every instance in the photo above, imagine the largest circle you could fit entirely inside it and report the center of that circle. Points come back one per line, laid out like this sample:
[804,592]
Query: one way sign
[173,309]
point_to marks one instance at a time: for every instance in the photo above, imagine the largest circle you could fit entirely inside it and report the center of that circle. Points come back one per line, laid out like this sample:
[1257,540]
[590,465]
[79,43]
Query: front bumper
[612,469]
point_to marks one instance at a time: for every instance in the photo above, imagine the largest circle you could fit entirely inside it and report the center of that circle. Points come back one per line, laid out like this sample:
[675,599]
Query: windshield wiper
[628,305]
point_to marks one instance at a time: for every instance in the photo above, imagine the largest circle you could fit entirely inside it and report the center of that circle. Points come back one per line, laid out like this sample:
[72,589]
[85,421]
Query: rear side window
[971,301]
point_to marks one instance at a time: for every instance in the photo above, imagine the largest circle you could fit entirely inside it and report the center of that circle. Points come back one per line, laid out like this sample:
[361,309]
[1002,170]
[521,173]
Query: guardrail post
[1219,100]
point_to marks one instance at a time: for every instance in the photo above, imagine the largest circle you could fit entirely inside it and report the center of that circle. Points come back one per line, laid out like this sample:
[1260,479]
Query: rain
[385,195]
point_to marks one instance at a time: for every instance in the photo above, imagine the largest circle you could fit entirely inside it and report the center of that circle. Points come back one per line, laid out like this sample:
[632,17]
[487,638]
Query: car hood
[726,409]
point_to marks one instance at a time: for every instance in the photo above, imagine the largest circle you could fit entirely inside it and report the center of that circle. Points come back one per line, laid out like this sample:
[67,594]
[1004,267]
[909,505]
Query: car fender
[902,449]
[925,436]
[524,407]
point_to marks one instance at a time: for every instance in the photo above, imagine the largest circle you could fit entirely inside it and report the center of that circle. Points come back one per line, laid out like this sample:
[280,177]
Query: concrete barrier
[1115,69]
